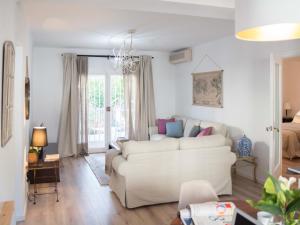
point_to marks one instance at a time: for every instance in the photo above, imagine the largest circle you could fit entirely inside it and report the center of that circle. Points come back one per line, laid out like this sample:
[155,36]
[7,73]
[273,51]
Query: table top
[241,204]
[41,164]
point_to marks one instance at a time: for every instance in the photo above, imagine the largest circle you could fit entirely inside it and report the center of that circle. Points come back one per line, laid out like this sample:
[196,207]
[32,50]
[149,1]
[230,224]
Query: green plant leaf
[273,209]
[293,206]
[281,198]
[272,186]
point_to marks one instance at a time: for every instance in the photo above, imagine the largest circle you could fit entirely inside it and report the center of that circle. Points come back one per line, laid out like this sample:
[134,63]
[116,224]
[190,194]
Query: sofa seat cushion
[137,147]
[202,142]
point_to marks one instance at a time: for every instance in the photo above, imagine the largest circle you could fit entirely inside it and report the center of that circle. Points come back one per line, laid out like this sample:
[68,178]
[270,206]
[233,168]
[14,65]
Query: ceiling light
[124,57]
[267,20]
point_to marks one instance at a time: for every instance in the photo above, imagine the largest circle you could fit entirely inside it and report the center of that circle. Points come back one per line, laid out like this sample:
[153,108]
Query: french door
[106,118]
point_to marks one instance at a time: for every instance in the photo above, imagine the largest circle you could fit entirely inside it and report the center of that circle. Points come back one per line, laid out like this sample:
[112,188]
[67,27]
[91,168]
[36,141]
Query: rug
[97,164]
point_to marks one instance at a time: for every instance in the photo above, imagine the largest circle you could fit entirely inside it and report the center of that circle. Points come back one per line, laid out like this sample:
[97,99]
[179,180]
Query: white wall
[47,83]
[13,155]
[246,90]
[291,84]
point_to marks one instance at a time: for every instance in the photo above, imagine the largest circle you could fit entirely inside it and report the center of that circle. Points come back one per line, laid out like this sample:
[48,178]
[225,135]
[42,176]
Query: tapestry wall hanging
[208,89]
[8,74]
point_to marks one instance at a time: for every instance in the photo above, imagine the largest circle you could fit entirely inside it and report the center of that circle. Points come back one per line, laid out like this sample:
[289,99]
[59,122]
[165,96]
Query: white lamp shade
[287,106]
[267,20]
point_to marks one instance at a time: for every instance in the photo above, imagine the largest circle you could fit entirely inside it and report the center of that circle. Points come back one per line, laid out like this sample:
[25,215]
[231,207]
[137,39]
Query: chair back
[196,191]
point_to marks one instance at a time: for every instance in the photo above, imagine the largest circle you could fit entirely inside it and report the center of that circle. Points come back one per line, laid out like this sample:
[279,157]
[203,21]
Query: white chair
[196,191]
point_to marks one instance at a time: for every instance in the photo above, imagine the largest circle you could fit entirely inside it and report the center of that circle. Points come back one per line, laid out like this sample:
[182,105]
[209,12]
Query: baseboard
[20,218]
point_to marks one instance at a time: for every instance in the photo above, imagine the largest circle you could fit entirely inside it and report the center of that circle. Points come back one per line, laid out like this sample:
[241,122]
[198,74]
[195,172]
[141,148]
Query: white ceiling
[161,24]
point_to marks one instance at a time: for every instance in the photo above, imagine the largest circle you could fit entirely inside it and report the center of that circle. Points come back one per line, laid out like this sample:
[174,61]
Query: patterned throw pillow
[175,129]
[161,124]
[195,131]
[205,132]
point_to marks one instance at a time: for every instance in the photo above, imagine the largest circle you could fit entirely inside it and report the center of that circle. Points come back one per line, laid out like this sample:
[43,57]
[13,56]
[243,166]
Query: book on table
[216,213]
[209,213]
[51,158]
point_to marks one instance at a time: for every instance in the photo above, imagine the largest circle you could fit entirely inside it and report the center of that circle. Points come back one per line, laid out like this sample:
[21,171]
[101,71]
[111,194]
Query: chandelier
[125,58]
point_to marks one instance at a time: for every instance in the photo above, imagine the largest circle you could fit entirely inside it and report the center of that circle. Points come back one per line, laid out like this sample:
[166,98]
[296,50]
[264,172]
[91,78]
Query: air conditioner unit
[181,56]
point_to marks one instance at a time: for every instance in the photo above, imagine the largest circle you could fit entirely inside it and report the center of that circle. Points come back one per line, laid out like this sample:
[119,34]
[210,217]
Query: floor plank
[83,201]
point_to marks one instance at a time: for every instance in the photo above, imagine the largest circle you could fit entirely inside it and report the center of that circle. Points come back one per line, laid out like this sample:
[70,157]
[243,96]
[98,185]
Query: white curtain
[82,70]
[72,135]
[139,100]
[68,126]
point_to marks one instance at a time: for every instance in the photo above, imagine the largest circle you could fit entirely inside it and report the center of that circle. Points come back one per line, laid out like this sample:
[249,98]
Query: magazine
[210,213]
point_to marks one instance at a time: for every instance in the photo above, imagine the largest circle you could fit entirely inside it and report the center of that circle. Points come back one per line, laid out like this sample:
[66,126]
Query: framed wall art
[208,89]
[8,73]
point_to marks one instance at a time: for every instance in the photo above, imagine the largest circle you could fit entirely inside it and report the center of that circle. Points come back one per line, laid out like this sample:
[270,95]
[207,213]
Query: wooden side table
[249,160]
[41,165]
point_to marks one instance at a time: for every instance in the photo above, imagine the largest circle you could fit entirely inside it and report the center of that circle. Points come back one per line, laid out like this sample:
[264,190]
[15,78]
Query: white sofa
[151,172]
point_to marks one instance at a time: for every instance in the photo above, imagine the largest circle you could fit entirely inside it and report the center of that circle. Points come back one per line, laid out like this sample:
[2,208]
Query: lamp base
[41,154]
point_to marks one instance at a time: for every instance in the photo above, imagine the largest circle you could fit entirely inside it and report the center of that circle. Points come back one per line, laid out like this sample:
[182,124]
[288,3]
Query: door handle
[107,109]
[271,128]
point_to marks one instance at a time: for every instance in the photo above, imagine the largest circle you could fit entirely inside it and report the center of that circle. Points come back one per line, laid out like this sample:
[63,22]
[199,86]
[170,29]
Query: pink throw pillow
[205,132]
[161,123]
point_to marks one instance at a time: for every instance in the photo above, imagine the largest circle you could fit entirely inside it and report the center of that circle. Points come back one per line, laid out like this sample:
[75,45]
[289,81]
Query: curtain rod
[103,56]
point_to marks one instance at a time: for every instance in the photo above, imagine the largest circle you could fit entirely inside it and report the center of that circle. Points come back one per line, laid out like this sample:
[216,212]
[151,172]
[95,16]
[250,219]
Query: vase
[32,157]
[244,146]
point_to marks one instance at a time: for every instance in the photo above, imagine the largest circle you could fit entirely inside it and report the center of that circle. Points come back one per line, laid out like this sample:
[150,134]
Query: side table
[249,160]
[42,165]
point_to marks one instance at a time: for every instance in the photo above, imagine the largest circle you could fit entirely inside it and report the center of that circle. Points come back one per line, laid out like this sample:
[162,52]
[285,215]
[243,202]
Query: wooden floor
[290,163]
[84,202]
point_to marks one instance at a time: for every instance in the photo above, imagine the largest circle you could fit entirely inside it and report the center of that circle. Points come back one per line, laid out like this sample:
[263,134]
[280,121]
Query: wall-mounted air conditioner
[181,56]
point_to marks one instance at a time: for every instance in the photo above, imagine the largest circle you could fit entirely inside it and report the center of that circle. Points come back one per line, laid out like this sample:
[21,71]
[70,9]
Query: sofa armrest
[153,130]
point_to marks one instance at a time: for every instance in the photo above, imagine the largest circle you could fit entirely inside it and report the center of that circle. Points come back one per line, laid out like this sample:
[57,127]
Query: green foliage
[279,199]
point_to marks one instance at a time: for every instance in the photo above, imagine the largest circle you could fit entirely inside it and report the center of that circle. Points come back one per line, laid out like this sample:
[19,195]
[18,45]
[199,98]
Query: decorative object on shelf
[257,20]
[287,106]
[39,138]
[124,57]
[27,91]
[244,147]
[33,155]
[7,91]
[208,86]
[280,200]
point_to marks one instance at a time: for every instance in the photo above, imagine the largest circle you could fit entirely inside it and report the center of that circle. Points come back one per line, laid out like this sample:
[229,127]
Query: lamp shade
[267,20]
[39,137]
[287,106]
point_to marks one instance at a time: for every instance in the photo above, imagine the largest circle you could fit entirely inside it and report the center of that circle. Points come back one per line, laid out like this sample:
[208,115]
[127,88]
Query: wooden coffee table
[241,204]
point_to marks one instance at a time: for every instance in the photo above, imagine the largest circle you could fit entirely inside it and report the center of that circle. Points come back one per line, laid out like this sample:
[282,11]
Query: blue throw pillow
[174,129]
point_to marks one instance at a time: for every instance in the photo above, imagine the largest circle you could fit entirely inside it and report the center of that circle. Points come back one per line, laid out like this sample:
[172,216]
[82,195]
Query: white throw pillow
[297,118]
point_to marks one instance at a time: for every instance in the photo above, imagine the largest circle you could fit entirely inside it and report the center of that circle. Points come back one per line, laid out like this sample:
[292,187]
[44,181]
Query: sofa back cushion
[202,142]
[136,147]
[218,128]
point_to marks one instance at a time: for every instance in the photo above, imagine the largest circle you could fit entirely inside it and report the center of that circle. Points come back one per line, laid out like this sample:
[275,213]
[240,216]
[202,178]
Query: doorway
[285,131]
[106,115]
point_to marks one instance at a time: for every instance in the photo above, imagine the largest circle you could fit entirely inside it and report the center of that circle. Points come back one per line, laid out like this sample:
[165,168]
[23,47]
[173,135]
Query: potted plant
[33,154]
[279,199]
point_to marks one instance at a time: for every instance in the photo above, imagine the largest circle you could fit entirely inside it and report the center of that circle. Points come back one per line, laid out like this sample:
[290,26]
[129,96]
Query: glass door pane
[117,106]
[96,112]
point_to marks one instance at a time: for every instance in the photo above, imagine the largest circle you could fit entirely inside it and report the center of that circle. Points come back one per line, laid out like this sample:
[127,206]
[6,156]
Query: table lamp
[39,139]
[287,106]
